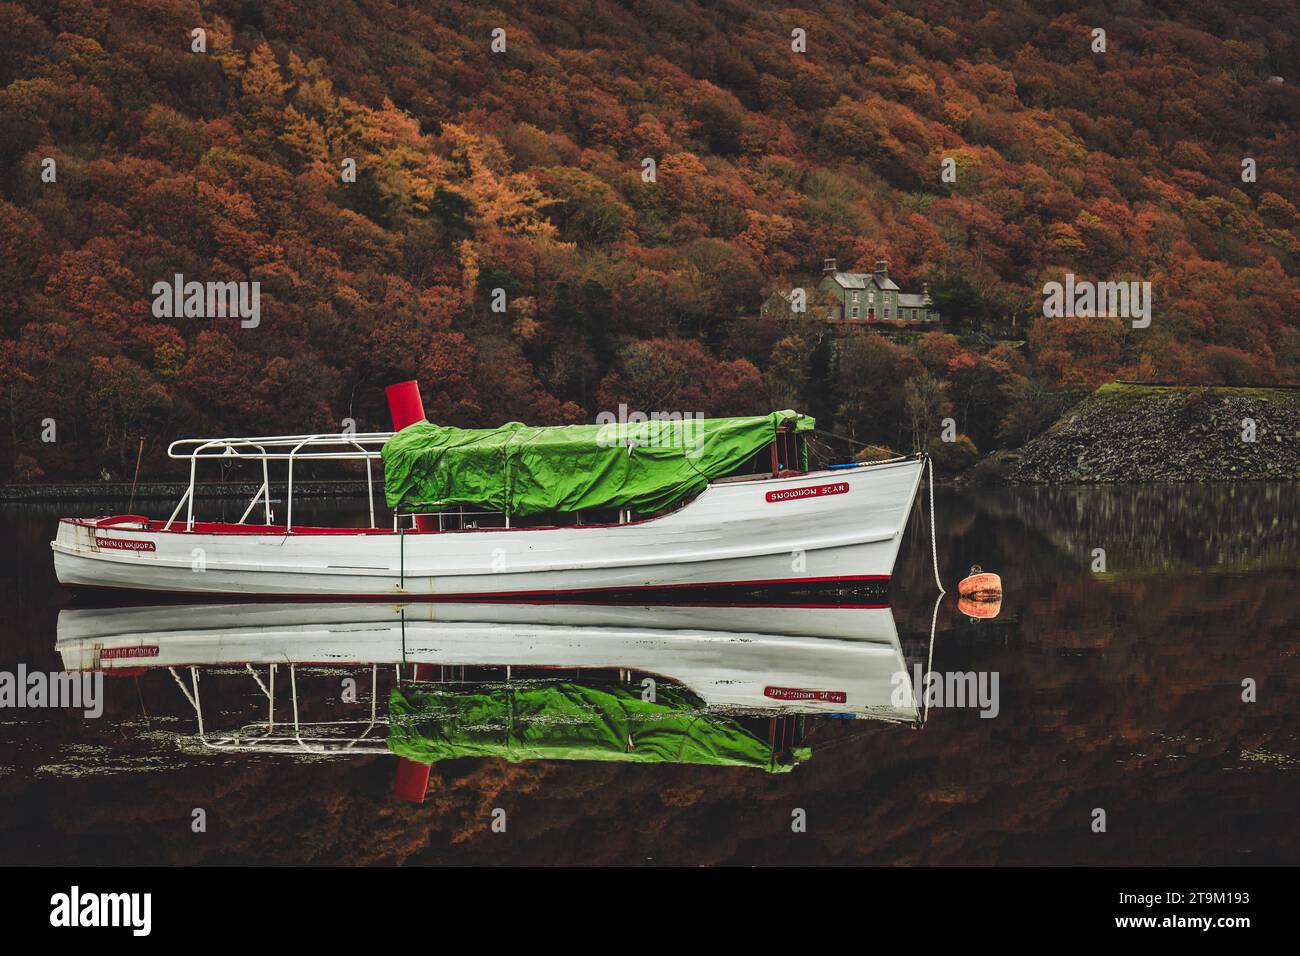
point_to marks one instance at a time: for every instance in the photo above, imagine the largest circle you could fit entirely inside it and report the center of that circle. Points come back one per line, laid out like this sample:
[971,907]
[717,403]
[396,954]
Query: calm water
[1120,690]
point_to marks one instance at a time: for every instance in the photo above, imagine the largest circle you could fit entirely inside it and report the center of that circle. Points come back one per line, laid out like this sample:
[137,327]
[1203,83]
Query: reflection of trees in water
[972,530]
[1157,527]
[1123,694]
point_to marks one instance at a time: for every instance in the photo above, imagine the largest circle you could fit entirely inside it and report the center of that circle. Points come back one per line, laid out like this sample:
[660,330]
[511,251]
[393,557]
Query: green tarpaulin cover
[561,720]
[524,470]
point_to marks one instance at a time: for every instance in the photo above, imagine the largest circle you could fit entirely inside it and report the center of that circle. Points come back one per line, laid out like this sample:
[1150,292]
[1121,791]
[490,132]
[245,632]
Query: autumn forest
[459,192]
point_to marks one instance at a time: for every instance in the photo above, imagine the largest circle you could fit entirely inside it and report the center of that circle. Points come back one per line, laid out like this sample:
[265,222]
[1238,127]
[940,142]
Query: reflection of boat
[570,510]
[711,685]
[789,660]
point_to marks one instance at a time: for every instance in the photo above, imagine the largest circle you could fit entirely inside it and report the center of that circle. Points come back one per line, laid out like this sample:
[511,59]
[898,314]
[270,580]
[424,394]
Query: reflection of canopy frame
[313,737]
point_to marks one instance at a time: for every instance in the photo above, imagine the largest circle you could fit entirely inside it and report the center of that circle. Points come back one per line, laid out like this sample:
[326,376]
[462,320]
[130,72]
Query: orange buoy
[980,584]
[981,594]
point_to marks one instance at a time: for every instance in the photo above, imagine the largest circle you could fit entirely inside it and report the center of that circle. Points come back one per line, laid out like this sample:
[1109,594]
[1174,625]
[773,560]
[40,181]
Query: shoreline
[1149,434]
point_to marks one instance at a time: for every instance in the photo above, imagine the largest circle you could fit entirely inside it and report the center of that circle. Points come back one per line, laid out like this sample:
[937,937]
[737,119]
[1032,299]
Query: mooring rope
[934,617]
[934,549]
[929,664]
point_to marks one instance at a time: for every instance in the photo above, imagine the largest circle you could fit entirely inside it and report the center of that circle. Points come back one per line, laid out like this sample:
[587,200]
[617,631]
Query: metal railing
[319,737]
[341,446]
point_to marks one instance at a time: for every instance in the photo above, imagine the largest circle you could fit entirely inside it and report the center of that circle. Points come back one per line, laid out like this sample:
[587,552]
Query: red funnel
[407,408]
[404,404]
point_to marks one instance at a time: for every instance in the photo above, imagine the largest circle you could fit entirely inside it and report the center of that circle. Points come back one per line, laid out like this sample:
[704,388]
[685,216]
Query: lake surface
[1118,688]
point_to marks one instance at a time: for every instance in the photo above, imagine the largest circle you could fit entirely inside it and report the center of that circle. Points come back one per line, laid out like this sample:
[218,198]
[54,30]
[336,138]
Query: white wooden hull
[836,526]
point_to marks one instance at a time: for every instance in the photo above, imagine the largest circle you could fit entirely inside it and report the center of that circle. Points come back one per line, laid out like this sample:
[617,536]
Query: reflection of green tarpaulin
[524,470]
[560,720]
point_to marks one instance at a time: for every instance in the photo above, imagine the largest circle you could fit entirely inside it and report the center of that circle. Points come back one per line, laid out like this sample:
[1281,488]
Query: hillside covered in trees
[524,170]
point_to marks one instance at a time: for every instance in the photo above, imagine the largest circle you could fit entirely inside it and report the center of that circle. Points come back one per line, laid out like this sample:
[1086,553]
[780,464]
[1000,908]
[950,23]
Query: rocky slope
[1141,433]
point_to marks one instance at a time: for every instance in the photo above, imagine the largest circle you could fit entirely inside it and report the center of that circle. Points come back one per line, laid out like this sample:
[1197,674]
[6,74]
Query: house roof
[913,300]
[860,280]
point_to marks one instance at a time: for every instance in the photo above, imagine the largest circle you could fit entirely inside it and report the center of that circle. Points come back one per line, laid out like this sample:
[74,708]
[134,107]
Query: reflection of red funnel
[406,407]
[412,780]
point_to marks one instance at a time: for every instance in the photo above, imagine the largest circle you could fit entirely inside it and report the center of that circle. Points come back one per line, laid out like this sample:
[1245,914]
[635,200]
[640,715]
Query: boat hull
[831,528]
[824,660]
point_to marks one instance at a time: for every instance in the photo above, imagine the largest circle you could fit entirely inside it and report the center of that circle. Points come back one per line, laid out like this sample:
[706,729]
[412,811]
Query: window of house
[854,311]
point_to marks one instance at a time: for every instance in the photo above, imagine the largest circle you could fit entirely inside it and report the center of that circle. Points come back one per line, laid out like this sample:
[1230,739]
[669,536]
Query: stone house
[855,298]
[874,297]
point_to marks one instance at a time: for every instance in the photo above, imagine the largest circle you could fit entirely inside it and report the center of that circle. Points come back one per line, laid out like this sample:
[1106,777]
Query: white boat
[772,660]
[783,528]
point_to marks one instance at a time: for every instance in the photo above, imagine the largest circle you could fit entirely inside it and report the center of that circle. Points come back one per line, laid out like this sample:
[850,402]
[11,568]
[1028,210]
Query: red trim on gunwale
[156,526]
[220,527]
[217,527]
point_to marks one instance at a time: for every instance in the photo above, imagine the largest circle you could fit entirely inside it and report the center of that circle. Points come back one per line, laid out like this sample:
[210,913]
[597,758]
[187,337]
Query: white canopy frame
[340,446]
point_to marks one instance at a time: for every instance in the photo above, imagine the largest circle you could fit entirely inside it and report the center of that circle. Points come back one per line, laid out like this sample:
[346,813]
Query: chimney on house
[925,294]
[828,266]
[882,268]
